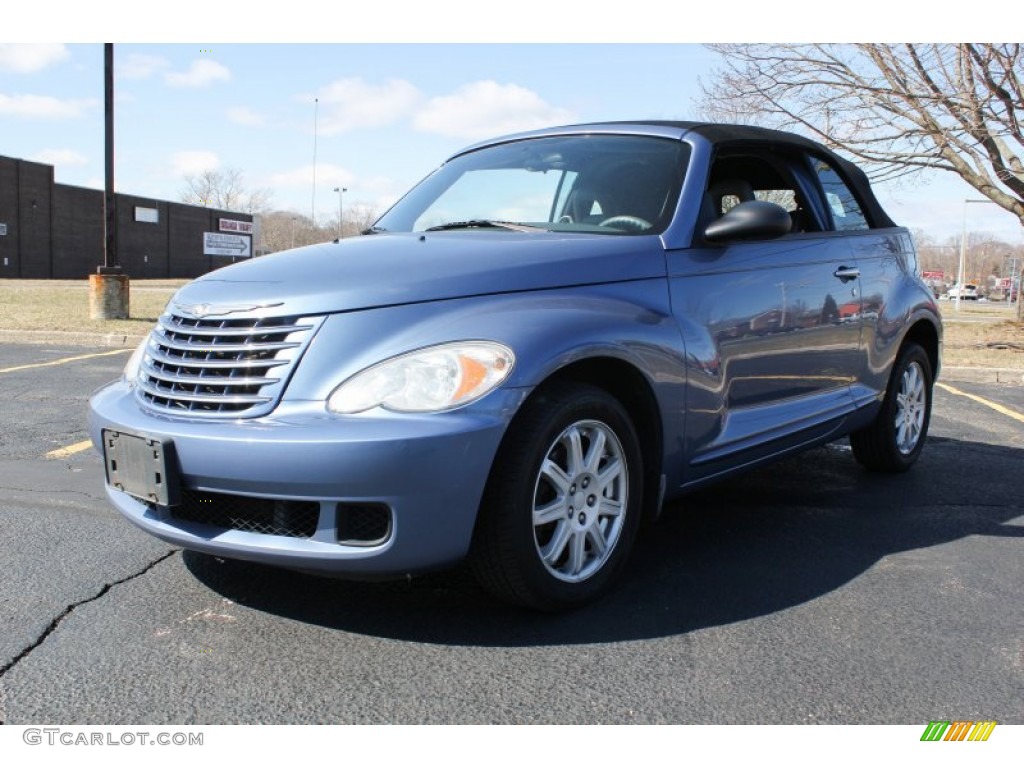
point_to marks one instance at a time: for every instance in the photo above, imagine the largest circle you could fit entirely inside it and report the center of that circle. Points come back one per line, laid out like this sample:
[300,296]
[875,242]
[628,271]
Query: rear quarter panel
[894,298]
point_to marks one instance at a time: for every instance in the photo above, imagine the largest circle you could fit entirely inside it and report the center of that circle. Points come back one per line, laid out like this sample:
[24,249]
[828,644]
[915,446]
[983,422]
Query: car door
[771,327]
[880,256]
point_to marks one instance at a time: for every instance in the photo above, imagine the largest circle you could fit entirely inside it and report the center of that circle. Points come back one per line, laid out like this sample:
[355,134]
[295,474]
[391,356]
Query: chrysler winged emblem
[205,309]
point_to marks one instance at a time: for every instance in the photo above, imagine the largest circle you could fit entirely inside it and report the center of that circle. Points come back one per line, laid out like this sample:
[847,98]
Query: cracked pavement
[67,612]
[809,592]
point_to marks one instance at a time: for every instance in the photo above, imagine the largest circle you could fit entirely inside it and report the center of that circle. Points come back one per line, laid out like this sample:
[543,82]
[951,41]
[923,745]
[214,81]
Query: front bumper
[429,470]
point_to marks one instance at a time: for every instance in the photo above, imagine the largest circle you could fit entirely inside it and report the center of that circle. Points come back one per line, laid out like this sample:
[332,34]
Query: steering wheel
[629,223]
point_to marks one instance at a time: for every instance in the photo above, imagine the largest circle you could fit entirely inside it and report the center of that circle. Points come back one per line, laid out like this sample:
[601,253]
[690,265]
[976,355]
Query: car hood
[391,269]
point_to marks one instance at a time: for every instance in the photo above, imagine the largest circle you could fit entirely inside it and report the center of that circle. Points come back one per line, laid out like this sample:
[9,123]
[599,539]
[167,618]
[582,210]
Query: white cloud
[58,157]
[486,108]
[46,107]
[192,162]
[30,58]
[327,176]
[245,116]
[353,103]
[203,72]
[139,66]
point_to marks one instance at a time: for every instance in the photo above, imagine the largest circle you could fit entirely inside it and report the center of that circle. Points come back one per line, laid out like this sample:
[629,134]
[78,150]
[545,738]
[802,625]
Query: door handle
[847,273]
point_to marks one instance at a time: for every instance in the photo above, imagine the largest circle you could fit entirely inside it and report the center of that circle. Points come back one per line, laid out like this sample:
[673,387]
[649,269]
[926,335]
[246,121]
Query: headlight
[131,368]
[433,379]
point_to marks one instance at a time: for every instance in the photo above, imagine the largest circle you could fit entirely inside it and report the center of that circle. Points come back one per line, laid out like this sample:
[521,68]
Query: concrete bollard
[108,297]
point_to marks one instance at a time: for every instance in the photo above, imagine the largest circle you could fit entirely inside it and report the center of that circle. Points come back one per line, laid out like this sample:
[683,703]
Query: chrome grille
[229,367]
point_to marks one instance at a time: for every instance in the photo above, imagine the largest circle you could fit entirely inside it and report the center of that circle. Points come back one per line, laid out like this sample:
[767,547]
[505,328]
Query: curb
[982,375]
[75,338]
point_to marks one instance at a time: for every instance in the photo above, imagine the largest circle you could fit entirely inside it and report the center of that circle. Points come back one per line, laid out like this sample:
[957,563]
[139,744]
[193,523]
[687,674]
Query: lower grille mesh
[276,517]
[358,525]
[363,525]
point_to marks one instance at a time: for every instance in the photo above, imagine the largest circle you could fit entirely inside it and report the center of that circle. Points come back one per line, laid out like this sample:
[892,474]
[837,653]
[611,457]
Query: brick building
[50,230]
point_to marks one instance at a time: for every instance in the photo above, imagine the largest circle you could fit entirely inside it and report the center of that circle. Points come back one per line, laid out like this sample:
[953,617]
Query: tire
[563,502]
[895,439]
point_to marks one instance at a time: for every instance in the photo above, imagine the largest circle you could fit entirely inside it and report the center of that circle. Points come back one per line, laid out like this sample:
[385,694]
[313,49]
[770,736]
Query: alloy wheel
[580,499]
[910,408]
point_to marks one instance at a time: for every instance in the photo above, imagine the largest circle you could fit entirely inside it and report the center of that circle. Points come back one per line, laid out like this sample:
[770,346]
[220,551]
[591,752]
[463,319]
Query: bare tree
[987,260]
[358,216]
[952,107]
[225,190]
[281,230]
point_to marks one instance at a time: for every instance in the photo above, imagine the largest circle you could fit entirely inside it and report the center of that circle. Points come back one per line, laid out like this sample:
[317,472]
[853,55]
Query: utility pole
[341,210]
[312,209]
[108,288]
[963,251]
[109,202]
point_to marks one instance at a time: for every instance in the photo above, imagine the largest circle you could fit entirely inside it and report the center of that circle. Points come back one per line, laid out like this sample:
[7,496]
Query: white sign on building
[220,244]
[3,229]
[147,215]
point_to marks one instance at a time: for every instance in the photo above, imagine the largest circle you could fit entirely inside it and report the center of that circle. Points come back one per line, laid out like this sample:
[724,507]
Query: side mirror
[753,220]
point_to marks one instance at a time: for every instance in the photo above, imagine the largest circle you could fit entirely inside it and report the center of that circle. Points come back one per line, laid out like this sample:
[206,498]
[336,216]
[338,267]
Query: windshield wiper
[373,231]
[480,223]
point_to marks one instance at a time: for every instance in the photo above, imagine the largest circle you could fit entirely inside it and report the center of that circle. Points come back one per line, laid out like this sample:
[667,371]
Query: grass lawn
[983,335]
[63,305]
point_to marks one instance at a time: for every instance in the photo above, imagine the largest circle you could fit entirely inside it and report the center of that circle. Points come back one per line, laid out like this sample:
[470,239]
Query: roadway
[809,592]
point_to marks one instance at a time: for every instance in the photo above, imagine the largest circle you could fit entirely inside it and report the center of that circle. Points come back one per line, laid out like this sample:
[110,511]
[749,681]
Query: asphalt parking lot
[809,592]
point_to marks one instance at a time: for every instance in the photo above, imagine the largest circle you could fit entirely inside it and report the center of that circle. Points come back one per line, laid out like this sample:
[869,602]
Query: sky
[372,117]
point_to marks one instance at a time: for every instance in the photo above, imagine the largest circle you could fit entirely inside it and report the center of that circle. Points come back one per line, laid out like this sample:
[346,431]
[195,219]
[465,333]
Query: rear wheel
[895,439]
[562,506]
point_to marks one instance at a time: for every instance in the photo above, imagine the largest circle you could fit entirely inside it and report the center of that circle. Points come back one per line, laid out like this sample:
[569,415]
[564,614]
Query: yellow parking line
[63,360]
[69,450]
[994,406]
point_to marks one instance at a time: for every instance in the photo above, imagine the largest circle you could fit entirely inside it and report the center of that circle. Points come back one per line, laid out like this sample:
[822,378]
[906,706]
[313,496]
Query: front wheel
[895,439]
[562,506]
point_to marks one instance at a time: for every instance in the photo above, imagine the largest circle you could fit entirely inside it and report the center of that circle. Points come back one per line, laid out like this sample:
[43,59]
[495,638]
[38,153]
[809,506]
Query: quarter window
[846,211]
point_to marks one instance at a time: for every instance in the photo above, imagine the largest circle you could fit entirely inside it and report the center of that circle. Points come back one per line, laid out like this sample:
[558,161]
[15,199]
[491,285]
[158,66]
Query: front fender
[546,330]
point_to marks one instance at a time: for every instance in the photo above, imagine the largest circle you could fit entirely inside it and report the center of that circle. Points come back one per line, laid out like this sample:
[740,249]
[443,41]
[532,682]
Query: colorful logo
[958,730]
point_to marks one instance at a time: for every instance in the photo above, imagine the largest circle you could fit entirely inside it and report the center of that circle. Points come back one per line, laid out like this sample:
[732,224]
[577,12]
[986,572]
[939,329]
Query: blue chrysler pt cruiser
[525,357]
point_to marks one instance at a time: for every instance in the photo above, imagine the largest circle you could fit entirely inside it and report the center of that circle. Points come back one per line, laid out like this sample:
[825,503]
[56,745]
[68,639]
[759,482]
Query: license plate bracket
[141,466]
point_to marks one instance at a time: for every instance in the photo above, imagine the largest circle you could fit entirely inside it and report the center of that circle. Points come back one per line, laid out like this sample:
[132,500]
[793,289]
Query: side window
[752,174]
[729,201]
[783,197]
[846,212]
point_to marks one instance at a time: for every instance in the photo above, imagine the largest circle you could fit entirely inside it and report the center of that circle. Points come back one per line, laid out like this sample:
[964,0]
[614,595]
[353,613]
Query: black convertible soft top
[727,133]
[723,133]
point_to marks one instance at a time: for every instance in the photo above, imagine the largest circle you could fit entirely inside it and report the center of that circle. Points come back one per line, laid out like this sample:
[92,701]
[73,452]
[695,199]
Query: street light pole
[341,210]
[1012,260]
[963,252]
[963,255]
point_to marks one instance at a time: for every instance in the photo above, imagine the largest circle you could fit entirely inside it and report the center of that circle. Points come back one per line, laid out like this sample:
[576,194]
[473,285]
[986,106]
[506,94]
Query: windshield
[616,185]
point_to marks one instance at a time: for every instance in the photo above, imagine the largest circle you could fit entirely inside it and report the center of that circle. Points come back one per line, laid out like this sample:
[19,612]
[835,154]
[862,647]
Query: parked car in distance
[969,292]
[525,357]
